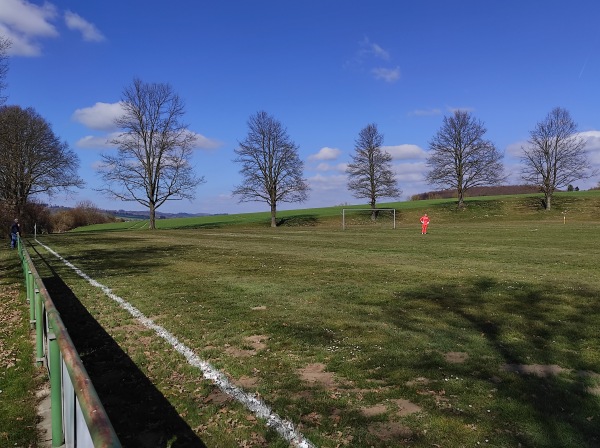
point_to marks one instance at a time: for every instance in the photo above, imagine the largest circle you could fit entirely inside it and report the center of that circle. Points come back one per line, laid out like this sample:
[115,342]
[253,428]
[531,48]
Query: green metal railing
[73,399]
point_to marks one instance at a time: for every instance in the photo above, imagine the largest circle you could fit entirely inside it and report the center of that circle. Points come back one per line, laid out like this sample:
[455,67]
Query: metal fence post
[39,328]
[30,282]
[55,391]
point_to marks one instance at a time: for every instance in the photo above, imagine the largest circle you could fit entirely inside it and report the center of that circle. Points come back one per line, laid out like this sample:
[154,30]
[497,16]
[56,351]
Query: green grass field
[19,378]
[483,332]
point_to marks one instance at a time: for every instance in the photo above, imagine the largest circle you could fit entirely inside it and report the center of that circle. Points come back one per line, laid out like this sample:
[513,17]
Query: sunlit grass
[583,205]
[19,378]
[392,314]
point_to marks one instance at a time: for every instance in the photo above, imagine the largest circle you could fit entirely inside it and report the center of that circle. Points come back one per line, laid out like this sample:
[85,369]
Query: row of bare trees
[554,156]
[461,158]
[152,163]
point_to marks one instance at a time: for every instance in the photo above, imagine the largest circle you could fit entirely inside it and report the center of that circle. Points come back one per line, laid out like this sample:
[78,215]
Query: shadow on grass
[555,409]
[298,221]
[119,255]
[140,414]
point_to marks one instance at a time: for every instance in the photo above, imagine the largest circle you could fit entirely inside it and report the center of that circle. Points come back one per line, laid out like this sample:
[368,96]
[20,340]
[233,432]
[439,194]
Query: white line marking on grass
[284,427]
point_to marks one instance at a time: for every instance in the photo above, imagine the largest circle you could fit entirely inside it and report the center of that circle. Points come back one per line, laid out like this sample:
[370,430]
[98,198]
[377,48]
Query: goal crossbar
[367,210]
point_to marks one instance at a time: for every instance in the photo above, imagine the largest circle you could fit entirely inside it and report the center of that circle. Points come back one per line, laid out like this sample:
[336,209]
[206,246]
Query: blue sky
[324,68]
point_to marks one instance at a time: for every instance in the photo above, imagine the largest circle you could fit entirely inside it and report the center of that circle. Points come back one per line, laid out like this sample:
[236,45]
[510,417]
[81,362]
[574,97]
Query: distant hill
[136,214]
[131,214]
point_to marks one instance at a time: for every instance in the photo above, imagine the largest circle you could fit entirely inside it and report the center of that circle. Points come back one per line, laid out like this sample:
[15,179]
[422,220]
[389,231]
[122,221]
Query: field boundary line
[258,407]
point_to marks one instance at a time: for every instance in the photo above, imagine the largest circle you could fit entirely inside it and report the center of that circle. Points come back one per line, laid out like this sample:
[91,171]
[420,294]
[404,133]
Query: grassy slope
[580,206]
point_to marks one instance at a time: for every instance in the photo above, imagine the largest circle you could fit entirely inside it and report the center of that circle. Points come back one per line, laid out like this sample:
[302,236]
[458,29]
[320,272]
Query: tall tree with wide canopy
[461,158]
[555,154]
[370,174]
[271,167]
[152,164]
[33,160]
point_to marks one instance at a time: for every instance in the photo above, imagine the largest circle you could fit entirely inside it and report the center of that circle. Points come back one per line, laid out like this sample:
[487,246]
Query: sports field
[482,332]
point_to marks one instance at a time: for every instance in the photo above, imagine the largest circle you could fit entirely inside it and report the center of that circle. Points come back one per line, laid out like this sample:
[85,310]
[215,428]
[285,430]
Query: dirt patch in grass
[316,374]
[257,342]
[456,357]
[239,353]
[418,381]
[247,382]
[216,396]
[373,411]
[390,432]
[405,407]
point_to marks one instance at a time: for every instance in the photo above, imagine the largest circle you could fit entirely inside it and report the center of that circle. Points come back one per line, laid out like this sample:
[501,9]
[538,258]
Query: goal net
[380,217]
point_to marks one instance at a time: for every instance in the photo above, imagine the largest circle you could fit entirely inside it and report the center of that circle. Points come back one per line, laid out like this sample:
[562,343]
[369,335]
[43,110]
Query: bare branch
[555,155]
[33,160]
[271,168]
[152,163]
[370,175]
[461,158]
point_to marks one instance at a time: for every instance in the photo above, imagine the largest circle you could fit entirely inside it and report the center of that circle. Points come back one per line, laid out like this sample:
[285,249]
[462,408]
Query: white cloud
[516,149]
[592,140]
[23,23]
[341,167]
[368,48]
[320,182]
[411,172]
[88,30]
[26,24]
[326,153]
[202,142]
[387,74]
[426,112]
[97,141]
[100,116]
[592,146]
[405,151]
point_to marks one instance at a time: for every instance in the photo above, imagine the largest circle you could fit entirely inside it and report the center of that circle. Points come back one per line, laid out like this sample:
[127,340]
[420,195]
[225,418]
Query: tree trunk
[152,224]
[273,215]
[547,200]
[461,198]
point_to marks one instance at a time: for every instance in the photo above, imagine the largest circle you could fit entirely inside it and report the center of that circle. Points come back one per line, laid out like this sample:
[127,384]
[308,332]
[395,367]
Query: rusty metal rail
[78,417]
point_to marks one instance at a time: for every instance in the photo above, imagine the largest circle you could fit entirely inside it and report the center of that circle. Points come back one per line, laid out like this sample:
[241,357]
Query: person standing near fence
[424,224]
[15,232]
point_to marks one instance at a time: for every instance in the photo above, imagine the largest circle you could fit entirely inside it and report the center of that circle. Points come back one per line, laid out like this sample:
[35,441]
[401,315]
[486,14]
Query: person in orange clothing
[424,224]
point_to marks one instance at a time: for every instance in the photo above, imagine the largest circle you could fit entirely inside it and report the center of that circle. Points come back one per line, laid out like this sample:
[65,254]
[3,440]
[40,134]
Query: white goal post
[344,210]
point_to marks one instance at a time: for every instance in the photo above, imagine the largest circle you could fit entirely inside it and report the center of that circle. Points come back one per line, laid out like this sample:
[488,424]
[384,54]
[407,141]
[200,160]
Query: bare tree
[152,164]
[5,45]
[555,154]
[271,168]
[461,158]
[370,175]
[33,160]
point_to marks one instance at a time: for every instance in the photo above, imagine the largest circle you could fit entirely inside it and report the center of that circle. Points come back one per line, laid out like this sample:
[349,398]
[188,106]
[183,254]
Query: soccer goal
[382,217]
